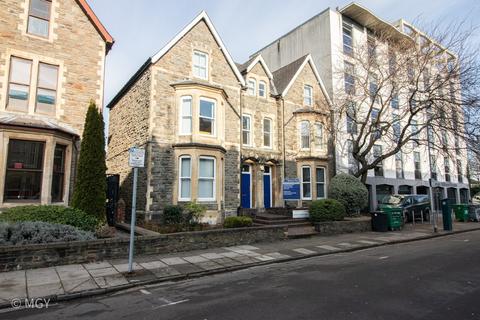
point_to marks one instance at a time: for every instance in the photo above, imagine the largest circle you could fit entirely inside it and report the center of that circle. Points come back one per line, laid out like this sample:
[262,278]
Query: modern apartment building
[219,133]
[52,57]
[330,37]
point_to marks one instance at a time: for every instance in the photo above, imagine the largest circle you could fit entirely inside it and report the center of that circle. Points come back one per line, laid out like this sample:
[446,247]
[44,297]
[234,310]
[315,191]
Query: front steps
[297,228]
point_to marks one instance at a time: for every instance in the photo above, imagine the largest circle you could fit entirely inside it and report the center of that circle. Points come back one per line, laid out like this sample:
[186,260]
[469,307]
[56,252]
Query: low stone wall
[347,226]
[60,253]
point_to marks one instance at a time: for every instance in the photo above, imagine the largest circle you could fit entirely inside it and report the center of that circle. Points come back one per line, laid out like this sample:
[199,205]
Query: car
[412,205]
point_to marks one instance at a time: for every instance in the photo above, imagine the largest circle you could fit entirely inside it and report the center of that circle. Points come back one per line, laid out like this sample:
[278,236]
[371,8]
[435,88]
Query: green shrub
[89,193]
[237,222]
[52,214]
[173,215]
[326,210]
[193,213]
[33,232]
[350,191]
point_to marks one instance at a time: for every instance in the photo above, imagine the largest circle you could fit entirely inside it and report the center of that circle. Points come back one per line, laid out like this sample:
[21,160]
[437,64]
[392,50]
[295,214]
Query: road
[430,279]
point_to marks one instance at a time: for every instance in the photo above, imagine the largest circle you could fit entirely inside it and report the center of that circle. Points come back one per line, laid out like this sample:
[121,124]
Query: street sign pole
[133,218]
[136,160]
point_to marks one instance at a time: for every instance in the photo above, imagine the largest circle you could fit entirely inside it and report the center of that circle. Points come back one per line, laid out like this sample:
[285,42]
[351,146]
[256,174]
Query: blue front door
[246,201]
[267,188]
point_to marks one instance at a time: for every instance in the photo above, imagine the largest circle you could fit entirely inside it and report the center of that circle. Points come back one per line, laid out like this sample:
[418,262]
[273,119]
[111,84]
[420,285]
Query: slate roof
[284,75]
[36,122]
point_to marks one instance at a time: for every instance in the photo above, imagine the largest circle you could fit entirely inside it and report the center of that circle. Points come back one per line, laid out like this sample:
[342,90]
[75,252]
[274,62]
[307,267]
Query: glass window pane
[307,193]
[25,155]
[185,188]
[47,76]
[185,167]
[187,107]
[206,168]
[266,125]
[18,97]
[206,109]
[205,189]
[58,173]
[206,125]
[40,8]
[20,71]
[38,26]
[46,101]
[23,185]
[320,175]
[306,174]
[186,125]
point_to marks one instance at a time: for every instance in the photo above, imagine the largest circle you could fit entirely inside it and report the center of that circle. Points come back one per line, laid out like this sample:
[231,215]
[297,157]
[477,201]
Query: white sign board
[136,157]
[300,214]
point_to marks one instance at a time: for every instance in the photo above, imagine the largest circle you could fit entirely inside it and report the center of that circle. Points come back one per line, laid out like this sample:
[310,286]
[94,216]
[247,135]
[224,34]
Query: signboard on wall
[291,189]
[136,157]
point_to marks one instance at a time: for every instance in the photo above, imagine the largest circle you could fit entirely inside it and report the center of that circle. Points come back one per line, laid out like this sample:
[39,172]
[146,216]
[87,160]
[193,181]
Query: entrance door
[246,195]
[267,187]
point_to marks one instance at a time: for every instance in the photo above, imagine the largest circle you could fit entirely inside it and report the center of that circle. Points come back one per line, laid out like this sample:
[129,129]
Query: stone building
[52,57]
[214,131]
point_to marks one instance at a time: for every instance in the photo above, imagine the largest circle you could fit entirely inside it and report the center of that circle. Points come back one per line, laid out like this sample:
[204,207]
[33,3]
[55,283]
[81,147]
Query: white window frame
[303,182]
[308,98]
[214,122]
[270,133]
[252,87]
[182,130]
[319,143]
[249,142]
[264,90]
[194,66]
[301,135]
[181,178]
[324,183]
[209,178]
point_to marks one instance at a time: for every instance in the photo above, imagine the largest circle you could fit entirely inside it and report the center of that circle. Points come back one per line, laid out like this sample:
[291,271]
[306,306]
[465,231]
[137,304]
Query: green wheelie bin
[395,217]
[461,212]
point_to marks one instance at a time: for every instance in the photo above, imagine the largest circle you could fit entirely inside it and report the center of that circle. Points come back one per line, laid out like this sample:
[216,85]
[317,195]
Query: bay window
[58,176]
[306,183]
[320,182]
[23,180]
[207,117]
[304,135]
[185,178]
[206,179]
[318,135]
[186,115]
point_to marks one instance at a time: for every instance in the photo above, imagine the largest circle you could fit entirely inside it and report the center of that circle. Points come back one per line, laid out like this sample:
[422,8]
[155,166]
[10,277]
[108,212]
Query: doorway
[246,186]
[267,187]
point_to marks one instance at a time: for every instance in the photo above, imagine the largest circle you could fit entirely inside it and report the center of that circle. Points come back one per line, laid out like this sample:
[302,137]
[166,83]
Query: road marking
[329,248]
[367,242]
[384,257]
[169,303]
[346,244]
[303,251]
[145,291]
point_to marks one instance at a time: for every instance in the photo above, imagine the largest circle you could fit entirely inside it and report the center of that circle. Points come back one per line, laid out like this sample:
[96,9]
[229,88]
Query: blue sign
[291,189]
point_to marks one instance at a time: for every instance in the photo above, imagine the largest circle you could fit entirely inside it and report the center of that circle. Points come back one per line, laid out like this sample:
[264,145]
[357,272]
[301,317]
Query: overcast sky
[142,27]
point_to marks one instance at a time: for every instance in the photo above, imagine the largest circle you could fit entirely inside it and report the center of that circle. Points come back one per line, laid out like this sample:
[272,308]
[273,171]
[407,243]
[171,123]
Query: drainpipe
[241,146]
[284,170]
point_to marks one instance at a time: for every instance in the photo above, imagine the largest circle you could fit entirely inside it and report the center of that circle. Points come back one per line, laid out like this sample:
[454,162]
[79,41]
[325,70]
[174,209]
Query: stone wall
[347,226]
[45,255]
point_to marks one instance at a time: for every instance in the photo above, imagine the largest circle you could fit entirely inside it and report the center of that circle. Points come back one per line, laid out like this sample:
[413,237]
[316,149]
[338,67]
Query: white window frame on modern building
[213,179]
[377,153]
[347,31]
[247,131]
[448,173]
[182,178]
[262,89]
[267,135]
[212,118]
[304,135]
[308,95]
[399,172]
[306,182]
[320,183]
[351,118]
[186,117]
[252,87]
[319,143]
[196,67]
[349,77]
[417,160]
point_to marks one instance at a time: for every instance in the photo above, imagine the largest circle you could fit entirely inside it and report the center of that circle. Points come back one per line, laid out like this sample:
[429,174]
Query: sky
[142,27]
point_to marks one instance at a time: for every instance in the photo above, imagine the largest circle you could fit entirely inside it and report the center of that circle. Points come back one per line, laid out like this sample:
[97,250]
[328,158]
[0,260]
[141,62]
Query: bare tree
[404,90]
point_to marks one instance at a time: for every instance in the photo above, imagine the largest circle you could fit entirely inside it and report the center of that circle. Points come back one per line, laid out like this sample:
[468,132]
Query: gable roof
[248,66]
[202,16]
[96,23]
[286,76]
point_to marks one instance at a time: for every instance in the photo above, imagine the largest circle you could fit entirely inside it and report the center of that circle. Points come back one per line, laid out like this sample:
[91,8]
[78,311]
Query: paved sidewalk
[70,281]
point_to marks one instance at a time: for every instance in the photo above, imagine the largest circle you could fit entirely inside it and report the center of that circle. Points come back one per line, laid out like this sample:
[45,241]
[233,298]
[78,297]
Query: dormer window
[307,95]
[200,65]
[39,17]
[262,89]
[252,85]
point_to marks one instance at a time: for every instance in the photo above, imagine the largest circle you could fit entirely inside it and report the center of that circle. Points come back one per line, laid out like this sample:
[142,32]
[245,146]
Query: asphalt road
[431,279]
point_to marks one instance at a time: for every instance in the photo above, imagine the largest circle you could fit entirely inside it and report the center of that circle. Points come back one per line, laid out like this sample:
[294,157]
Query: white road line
[329,248]
[384,257]
[303,251]
[145,291]
[169,303]
[367,242]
